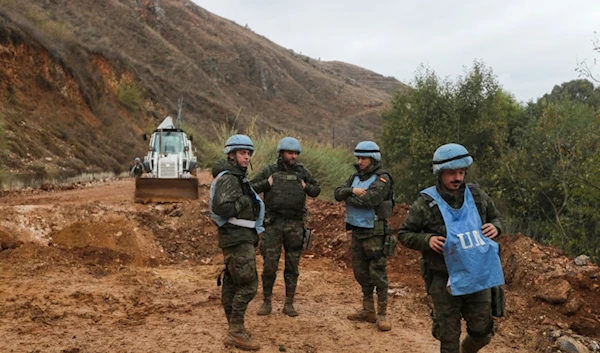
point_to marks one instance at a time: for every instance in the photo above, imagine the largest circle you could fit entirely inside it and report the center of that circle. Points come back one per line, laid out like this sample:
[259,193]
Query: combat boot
[367,313]
[382,322]
[288,307]
[238,337]
[266,308]
[470,345]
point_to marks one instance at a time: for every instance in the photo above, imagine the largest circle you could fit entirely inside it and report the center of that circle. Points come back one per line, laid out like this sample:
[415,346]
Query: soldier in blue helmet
[138,168]
[453,224]
[368,194]
[285,184]
[239,212]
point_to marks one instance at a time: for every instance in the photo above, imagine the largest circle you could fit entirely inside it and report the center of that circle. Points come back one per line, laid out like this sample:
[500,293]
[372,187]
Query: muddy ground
[84,269]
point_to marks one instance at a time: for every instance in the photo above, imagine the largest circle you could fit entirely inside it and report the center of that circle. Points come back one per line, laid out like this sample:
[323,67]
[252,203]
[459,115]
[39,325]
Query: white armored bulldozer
[170,166]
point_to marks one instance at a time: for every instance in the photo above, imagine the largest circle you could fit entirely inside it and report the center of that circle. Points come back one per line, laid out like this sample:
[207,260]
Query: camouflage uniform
[368,262]
[284,225]
[422,223]
[233,198]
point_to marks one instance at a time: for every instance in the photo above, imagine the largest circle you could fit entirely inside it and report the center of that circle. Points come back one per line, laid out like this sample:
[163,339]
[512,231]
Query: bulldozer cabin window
[172,142]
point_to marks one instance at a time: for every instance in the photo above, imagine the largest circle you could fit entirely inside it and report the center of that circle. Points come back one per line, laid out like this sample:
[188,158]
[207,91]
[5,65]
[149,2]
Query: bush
[130,96]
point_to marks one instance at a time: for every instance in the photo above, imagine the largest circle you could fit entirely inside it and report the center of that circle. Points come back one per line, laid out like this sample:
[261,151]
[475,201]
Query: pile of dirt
[7,241]
[184,231]
[114,239]
[554,291]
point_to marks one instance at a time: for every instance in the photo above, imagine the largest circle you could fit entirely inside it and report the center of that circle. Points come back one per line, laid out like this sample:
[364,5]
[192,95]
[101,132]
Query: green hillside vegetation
[538,161]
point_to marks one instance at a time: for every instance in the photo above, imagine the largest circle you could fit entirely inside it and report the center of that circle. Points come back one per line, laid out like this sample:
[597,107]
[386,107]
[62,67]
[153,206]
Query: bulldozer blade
[165,190]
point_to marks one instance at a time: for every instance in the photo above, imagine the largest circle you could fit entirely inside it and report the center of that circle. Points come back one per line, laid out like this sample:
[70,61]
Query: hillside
[360,76]
[80,81]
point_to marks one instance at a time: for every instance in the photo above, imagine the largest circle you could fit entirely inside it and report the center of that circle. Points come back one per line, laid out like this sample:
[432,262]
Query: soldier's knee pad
[486,334]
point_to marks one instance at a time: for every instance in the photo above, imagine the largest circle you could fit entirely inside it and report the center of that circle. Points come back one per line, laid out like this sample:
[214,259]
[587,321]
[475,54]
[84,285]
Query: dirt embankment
[87,270]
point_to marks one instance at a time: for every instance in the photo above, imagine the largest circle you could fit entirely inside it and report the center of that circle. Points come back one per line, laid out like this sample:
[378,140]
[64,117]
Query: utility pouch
[498,302]
[307,239]
[389,246]
[379,227]
[426,273]
[385,209]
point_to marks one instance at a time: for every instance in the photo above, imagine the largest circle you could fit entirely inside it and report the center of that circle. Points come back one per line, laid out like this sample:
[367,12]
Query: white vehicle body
[170,166]
[170,153]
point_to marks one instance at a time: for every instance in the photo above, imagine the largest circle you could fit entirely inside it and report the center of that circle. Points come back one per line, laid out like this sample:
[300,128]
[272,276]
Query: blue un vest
[357,216]
[258,224]
[471,258]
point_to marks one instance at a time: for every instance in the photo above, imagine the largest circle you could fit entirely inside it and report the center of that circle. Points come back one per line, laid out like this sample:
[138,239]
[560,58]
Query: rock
[568,344]
[555,291]
[586,326]
[582,260]
[548,322]
[176,213]
[572,306]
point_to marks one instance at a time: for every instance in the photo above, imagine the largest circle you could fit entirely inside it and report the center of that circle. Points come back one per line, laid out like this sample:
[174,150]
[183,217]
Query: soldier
[369,202]
[239,213]
[285,185]
[138,168]
[446,224]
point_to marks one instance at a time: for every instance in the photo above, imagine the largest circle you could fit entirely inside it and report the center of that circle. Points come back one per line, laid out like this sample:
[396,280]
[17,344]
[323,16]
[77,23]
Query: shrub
[130,96]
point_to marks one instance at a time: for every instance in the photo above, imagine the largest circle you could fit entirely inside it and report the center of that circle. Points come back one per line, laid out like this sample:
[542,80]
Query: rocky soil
[84,269]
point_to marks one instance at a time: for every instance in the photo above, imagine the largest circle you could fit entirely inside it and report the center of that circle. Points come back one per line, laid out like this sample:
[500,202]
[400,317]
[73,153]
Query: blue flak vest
[357,216]
[258,224]
[471,258]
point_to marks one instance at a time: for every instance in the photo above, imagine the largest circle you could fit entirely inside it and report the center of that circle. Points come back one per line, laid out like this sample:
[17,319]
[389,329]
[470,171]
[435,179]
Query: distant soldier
[138,168]
[368,194]
[239,213]
[285,185]
[453,223]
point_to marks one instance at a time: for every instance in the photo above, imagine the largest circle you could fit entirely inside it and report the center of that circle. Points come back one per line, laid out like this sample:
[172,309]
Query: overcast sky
[531,45]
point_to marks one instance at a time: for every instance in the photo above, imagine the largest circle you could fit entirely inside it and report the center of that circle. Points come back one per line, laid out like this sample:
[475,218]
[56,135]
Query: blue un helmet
[368,149]
[289,144]
[451,156]
[238,142]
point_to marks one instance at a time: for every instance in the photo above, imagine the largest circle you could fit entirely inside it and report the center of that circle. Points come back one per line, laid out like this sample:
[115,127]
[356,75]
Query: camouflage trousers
[289,235]
[449,310]
[370,266]
[240,281]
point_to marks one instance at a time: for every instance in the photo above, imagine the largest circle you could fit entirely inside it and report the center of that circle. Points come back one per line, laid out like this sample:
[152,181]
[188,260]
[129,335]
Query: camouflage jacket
[379,191]
[233,198]
[285,202]
[424,221]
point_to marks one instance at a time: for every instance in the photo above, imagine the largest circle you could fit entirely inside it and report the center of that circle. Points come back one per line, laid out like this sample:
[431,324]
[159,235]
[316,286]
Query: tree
[580,90]
[552,177]
[472,111]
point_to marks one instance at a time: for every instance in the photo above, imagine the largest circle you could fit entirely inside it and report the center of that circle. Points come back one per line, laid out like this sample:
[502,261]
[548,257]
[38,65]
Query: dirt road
[87,270]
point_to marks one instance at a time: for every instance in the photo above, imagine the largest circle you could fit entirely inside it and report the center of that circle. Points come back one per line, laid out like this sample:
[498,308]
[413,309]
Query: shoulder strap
[429,200]
[390,196]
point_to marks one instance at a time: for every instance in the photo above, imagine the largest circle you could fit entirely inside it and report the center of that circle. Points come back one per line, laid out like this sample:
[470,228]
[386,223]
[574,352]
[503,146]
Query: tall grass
[330,166]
